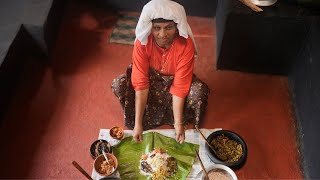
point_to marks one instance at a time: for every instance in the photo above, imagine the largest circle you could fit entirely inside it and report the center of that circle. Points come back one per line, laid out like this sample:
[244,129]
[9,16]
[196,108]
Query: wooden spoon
[106,157]
[75,164]
[202,166]
[213,150]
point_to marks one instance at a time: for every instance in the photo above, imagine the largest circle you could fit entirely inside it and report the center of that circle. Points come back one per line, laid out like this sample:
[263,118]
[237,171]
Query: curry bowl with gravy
[231,149]
[105,168]
[116,132]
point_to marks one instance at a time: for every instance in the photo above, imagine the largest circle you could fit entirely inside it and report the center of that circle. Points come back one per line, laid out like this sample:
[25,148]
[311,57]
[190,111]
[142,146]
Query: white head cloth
[165,9]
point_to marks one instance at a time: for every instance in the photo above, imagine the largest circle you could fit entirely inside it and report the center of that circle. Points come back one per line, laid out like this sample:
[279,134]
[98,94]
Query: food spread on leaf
[158,164]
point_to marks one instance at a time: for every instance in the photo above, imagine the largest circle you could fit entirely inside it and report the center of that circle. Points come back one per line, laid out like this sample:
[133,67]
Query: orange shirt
[177,60]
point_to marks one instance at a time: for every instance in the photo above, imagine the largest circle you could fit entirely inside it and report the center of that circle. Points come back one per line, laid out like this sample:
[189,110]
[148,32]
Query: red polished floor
[59,108]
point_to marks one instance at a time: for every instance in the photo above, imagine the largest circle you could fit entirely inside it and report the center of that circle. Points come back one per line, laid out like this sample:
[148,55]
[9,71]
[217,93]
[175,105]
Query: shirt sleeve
[140,67]
[184,71]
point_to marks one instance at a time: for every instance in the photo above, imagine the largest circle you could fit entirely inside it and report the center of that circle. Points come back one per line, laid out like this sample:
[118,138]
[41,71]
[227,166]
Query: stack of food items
[107,167]
[157,164]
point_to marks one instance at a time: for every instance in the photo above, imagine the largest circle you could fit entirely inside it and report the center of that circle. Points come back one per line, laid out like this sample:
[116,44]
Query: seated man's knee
[118,85]
[198,90]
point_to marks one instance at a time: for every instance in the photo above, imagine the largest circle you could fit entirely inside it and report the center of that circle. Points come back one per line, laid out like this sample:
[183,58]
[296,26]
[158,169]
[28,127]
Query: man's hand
[140,104]
[251,5]
[137,134]
[177,107]
[180,136]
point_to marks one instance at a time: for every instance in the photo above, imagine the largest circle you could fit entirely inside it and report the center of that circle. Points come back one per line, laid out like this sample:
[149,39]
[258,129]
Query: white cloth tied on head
[165,9]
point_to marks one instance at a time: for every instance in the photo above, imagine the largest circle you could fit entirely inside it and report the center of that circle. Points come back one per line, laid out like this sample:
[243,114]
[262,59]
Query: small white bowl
[264,2]
[228,170]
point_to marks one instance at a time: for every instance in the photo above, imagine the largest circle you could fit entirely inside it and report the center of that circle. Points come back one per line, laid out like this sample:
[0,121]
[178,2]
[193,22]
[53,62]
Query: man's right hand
[137,134]
[251,5]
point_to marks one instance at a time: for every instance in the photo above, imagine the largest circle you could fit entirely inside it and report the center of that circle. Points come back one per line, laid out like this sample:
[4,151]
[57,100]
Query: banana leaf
[128,154]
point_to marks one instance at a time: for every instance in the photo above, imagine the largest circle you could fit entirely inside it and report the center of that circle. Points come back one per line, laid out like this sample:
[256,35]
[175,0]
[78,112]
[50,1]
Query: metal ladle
[106,157]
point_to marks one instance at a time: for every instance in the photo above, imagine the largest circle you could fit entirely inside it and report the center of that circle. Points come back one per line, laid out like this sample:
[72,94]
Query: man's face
[164,33]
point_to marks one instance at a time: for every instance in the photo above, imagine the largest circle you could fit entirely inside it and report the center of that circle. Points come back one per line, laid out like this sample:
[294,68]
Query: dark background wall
[204,8]
[304,79]
[264,42]
[283,39]
[28,30]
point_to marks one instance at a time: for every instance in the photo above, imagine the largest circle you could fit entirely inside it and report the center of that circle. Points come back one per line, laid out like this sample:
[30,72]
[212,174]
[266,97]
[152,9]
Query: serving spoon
[106,157]
[202,166]
[213,150]
[76,165]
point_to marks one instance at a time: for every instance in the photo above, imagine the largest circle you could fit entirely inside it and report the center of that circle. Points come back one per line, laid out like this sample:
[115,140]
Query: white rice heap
[161,164]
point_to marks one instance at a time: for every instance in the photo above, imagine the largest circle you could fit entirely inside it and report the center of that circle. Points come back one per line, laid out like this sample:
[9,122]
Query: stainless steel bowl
[264,2]
[224,168]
